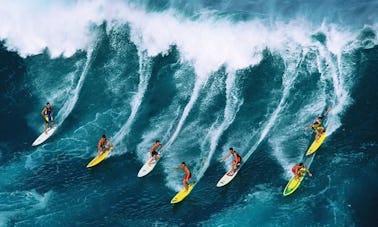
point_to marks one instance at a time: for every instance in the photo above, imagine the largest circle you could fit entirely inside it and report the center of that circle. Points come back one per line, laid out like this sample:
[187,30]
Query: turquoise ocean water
[201,76]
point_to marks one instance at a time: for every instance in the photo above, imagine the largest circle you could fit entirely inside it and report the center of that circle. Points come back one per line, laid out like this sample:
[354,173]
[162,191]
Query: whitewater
[201,77]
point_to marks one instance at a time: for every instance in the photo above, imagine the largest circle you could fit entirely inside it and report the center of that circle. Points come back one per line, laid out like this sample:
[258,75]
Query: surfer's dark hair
[301,163]
[183,163]
[231,148]
[104,136]
[157,141]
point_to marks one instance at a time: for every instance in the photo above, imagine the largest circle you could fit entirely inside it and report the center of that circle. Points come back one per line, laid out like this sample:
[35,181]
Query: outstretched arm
[308,171]
[225,157]
[43,111]
[175,169]
[309,126]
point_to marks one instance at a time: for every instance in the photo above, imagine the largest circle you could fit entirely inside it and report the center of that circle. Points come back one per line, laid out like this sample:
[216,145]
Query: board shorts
[187,177]
[238,162]
[154,153]
[47,118]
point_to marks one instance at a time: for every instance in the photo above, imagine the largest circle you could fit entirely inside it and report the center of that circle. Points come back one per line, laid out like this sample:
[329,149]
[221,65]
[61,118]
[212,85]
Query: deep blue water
[201,77]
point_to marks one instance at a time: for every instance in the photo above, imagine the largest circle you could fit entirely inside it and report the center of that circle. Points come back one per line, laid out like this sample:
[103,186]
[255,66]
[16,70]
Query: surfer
[47,114]
[103,144]
[300,169]
[153,151]
[235,163]
[317,124]
[187,175]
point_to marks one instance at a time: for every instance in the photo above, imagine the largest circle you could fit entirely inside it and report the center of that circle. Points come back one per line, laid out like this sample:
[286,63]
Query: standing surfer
[317,124]
[103,145]
[187,175]
[235,163]
[47,114]
[153,151]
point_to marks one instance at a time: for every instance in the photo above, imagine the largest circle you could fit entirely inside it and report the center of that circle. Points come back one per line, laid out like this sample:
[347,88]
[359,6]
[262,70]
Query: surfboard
[44,136]
[147,167]
[316,144]
[227,178]
[99,158]
[293,185]
[181,195]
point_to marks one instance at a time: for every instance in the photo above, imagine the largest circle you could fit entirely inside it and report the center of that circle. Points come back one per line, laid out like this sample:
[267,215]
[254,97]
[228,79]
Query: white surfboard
[44,136]
[147,167]
[226,178]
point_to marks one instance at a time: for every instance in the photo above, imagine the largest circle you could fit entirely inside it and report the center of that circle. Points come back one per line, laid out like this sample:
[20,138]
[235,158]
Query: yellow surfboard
[316,144]
[98,158]
[293,184]
[181,195]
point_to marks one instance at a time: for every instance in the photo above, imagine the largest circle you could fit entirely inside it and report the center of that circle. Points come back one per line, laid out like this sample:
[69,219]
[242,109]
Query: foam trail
[233,104]
[287,82]
[292,70]
[341,98]
[144,77]
[193,98]
[70,103]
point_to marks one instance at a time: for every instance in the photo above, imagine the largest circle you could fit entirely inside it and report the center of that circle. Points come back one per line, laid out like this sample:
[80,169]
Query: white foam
[71,101]
[233,104]
[30,27]
[207,42]
[193,98]
[144,77]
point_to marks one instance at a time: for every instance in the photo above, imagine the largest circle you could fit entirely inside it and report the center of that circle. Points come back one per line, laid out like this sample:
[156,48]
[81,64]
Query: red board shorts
[187,177]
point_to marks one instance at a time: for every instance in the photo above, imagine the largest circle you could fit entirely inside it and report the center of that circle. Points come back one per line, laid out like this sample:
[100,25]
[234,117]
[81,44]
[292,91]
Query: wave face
[201,77]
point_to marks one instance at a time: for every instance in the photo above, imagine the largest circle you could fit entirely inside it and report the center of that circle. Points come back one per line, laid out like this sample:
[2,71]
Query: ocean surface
[200,76]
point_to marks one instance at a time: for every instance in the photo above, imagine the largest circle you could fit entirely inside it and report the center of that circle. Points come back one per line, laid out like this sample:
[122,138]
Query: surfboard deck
[147,167]
[316,144]
[227,178]
[181,195]
[44,136]
[293,185]
[99,158]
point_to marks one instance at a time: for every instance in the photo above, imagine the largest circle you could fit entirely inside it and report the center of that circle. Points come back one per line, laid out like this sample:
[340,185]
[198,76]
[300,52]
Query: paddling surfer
[187,175]
[153,151]
[47,114]
[103,145]
[235,163]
